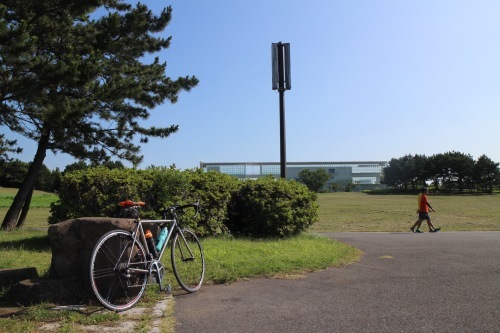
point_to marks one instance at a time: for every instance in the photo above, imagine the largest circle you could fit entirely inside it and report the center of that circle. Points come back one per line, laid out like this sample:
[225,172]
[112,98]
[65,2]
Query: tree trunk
[10,221]
[25,210]
[436,185]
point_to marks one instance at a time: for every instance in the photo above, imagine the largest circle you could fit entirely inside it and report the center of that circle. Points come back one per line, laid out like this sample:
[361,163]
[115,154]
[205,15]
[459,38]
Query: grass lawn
[25,247]
[39,207]
[40,199]
[363,212]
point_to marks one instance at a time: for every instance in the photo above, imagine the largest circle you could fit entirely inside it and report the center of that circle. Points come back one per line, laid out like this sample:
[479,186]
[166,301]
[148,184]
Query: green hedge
[261,208]
[214,190]
[97,191]
[270,207]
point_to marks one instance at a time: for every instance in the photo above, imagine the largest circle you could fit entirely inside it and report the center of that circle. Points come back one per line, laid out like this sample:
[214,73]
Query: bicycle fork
[183,249]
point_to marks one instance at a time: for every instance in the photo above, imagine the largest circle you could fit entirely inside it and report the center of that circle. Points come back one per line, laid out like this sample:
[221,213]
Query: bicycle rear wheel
[188,261]
[113,276]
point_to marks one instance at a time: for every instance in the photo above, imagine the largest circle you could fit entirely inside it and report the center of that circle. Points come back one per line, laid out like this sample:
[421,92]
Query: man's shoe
[412,230]
[433,230]
[437,229]
[418,231]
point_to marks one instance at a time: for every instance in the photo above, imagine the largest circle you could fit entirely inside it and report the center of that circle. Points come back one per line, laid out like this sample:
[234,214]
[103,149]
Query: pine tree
[7,146]
[78,84]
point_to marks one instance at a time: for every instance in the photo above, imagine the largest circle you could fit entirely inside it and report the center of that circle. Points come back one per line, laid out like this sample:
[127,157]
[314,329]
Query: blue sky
[371,80]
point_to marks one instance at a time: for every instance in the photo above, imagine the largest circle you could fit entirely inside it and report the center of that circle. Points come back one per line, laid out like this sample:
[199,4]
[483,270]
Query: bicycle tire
[188,260]
[114,286]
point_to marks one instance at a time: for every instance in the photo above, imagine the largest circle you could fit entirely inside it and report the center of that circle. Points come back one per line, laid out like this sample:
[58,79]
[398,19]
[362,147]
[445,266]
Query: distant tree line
[447,172]
[13,172]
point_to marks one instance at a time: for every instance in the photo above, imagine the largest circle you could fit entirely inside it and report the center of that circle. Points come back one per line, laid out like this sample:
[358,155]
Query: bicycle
[122,263]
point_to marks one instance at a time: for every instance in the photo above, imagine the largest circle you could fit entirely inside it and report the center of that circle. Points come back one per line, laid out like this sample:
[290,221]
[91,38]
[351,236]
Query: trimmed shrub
[169,186]
[270,207]
[96,192]
[214,190]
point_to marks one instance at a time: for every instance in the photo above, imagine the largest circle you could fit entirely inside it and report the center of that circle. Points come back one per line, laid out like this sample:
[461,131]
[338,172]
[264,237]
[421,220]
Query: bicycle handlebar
[175,207]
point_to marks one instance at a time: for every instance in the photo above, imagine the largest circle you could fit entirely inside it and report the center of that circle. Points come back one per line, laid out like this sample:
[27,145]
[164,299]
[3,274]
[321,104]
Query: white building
[366,175]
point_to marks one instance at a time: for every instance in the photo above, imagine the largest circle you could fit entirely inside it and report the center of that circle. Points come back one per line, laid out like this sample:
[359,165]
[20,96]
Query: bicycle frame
[151,263]
[138,235]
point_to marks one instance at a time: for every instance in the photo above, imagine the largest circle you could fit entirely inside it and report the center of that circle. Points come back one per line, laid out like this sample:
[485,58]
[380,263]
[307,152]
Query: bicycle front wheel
[188,261]
[118,270]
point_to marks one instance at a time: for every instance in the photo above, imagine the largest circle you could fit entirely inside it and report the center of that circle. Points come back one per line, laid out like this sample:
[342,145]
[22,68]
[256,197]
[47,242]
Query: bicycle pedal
[168,289]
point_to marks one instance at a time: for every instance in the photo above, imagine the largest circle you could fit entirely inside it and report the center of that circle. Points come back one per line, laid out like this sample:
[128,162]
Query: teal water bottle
[161,238]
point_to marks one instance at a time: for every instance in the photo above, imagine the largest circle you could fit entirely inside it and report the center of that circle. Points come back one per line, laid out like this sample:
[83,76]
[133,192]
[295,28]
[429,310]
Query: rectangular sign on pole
[280,53]
[288,78]
[274,53]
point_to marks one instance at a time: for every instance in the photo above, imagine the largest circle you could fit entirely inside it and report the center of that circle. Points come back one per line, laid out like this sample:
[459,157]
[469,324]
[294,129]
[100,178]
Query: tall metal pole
[281,90]
[281,82]
[282,132]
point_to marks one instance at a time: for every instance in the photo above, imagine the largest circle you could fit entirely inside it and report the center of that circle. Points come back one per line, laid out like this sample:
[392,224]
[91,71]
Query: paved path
[443,282]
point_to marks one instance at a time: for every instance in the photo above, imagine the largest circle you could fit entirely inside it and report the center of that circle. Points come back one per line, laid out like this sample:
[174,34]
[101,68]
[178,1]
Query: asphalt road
[442,282]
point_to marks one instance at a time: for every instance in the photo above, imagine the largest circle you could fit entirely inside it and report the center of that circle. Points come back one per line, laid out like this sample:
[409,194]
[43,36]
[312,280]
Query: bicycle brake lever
[198,208]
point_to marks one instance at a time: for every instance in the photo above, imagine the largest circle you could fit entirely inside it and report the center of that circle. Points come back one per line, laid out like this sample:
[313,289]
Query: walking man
[423,212]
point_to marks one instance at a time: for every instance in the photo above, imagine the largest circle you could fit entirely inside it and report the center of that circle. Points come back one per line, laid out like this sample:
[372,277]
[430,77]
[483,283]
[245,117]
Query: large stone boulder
[72,242]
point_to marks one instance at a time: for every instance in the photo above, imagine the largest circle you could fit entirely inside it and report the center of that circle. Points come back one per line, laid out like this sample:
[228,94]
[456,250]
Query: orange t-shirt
[422,203]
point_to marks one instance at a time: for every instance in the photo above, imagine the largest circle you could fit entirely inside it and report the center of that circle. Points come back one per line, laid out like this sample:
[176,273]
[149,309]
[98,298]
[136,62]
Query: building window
[364,180]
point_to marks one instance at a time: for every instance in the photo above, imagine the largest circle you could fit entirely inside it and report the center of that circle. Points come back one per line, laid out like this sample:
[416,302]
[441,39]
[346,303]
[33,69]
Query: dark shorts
[424,216]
